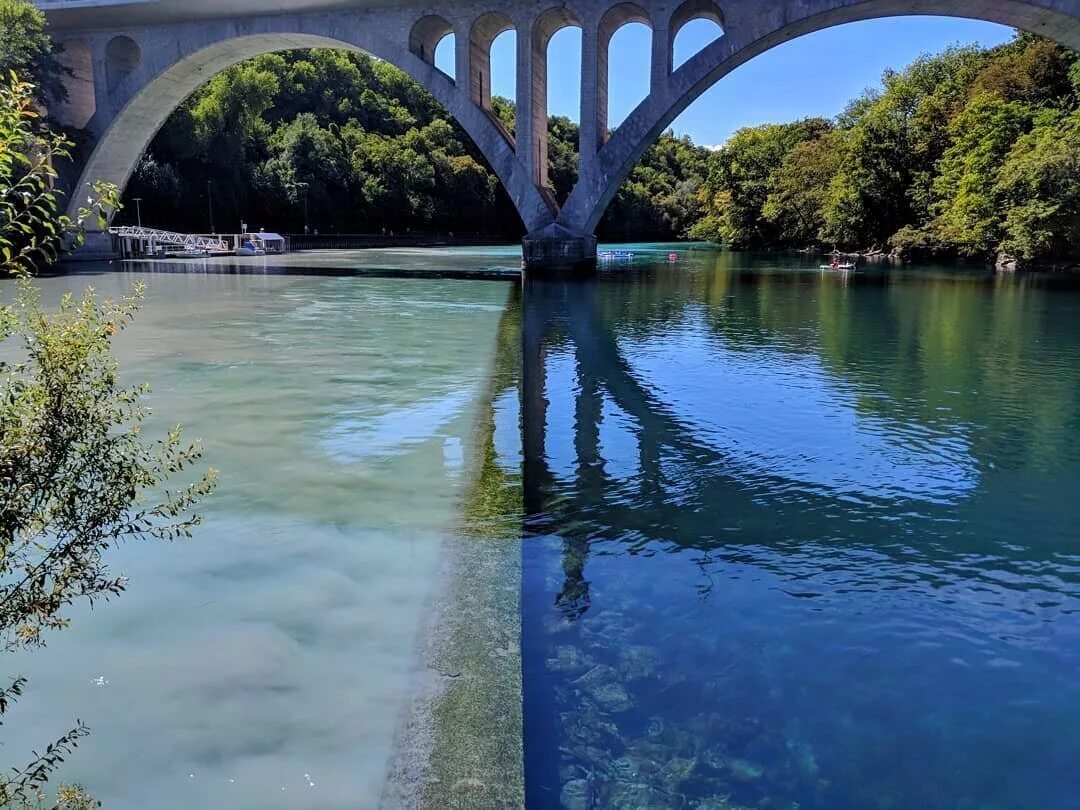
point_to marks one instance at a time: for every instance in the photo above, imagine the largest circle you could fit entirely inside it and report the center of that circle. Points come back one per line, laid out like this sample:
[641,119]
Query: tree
[743,175]
[800,188]
[27,51]
[74,468]
[1040,184]
[969,211]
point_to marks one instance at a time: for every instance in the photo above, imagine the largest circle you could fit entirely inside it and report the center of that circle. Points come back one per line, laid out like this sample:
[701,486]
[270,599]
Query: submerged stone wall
[461,743]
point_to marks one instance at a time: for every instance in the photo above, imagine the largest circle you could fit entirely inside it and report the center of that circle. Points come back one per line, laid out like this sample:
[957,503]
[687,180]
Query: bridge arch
[485,30]
[747,35]
[690,11]
[122,56]
[142,100]
[613,20]
[426,35]
[546,25]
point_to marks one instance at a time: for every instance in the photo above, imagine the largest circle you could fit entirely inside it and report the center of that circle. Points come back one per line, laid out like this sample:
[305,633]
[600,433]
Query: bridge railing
[186,241]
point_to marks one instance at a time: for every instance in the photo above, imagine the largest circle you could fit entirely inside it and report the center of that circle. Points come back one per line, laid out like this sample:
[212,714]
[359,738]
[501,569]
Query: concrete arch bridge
[135,61]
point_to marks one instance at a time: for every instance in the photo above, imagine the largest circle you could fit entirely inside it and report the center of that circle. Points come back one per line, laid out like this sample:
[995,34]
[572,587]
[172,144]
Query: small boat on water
[836,264]
[250,249]
[190,253]
[616,255]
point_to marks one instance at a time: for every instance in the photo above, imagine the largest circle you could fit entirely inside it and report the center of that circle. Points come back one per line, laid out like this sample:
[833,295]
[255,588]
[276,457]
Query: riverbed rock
[576,795]
[569,659]
[677,770]
[742,770]
[638,661]
[654,730]
[612,697]
[638,796]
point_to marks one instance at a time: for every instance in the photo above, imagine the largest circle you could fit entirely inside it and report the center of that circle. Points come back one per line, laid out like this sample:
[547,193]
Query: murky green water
[791,539]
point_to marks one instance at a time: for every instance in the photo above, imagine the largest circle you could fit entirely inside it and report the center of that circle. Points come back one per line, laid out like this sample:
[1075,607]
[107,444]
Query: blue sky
[813,75]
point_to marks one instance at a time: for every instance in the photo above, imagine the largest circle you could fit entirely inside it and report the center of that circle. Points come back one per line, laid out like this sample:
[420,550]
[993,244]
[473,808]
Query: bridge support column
[98,246]
[557,252]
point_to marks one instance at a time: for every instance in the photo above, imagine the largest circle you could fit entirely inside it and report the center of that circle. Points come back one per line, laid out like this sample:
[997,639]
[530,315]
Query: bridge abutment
[558,252]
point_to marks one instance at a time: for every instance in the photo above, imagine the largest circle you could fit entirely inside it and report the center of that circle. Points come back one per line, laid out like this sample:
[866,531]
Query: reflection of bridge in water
[634,472]
[133,63]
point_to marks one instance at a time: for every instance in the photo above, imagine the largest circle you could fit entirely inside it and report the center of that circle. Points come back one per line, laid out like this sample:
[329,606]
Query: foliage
[972,152]
[74,469]
[1040,185]
[335,140]
[33,232]
[662,197]
[361,147]
[741,178]
[27,51]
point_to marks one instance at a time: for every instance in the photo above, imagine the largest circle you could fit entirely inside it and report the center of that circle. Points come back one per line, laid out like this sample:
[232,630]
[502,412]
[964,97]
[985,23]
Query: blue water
[804,540]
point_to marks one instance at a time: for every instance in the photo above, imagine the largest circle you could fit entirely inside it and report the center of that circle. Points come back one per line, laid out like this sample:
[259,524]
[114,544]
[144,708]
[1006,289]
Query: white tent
[271,242]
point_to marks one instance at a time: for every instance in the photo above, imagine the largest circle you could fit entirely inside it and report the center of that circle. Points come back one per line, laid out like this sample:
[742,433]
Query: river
[769,537]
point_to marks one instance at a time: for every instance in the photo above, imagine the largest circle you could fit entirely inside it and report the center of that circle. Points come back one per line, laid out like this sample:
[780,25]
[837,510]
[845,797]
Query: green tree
[1040,184]
[27,51]
[742,177]
[799,189]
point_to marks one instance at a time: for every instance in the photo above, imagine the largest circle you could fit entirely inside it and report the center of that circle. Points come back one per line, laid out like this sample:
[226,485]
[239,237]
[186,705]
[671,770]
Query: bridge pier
[558,252]
[97,246]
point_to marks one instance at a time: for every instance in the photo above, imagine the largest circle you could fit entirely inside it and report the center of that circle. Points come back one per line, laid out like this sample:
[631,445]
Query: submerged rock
[677,770]
[600,674]
[612,697]
[655,728]
[638,661]
[567,658]
[624,769]
[637,796]
[742,770]
[601,683]
[576,794]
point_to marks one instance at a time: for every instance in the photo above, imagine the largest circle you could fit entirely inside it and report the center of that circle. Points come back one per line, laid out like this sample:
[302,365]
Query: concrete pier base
[558,252]
[98,246]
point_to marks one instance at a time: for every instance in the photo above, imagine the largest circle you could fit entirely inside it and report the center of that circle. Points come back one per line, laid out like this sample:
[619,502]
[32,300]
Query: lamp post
[304,186]
[138,209]
[210,204]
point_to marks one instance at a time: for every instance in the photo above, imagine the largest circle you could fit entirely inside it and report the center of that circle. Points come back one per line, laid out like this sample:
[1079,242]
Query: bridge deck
[127,13]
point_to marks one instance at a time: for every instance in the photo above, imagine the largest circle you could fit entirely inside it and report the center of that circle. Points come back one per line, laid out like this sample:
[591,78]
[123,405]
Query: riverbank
[1001,263]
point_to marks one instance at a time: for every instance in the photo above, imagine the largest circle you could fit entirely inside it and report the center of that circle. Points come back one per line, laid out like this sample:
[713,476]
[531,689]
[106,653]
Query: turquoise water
[802,540]
[266,662]
[791,539]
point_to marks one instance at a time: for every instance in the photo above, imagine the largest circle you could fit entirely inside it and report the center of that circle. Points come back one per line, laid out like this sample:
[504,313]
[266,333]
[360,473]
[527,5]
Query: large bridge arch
[749,31]
[131,113]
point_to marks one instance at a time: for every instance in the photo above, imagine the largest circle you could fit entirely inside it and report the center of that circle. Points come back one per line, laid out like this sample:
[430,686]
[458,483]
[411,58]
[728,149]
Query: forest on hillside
[968,154]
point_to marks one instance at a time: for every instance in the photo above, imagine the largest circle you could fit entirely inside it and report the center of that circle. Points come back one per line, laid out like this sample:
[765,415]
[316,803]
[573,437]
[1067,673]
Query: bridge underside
[133,64]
